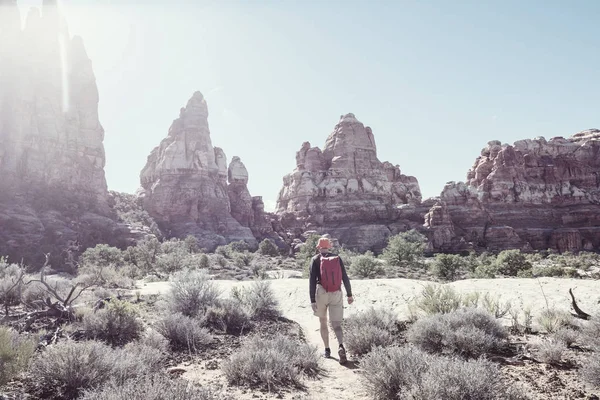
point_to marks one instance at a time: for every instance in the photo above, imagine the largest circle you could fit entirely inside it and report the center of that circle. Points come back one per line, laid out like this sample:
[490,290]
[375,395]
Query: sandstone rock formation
[347,192]
[534,194]
[188,188]
[52,186]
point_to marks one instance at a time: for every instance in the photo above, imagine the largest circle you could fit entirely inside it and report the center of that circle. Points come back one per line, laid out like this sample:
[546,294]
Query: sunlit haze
[435,80]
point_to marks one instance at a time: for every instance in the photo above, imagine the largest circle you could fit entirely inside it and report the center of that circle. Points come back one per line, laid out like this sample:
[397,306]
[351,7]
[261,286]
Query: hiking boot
[327,353]
[342,354]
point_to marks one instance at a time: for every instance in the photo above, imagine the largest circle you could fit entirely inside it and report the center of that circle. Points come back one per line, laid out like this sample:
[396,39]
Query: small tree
[404,248]
[102,255]
[446,266]
[268,248]
[510,262]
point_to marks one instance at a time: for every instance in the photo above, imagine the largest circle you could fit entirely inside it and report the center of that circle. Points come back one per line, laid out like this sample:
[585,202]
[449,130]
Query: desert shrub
[405,248]
[224,251]
[204,262]
[184,333]
[438,299]
[365,266]
[268,248]
[15,353]
[259,300]
[407,373]
[566,335]
[551,319]
[144,254]
[191,293]
[175,260]
[242,260]
[590,334]
[307,252]
[485,271]
[228,317]
[11,290]
[551,351]
[271,363]
[510,262]
[155,340]
[67,368]
[191,244]
[116,324]
[102,255]
[447,266]
[591,370]
[495,306]
[369,329]
[108,276]
[153,387]
[221,260]
[468,332]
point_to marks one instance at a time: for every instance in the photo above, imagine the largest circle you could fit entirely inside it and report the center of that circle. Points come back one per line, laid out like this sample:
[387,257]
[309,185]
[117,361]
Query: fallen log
[578,312]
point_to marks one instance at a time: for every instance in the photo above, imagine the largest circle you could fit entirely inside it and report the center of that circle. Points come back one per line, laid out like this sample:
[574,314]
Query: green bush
[272,363]
[468,332]
[204,262]
[117,323]
[259,300]
[16,352]
[436,299]
[408,373]
[510,262]
[102,255]
[365,266]
[268,248]
[447,266]
[404,249]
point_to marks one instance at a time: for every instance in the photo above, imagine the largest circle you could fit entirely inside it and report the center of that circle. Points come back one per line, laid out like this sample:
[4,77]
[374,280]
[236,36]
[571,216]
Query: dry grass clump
[468,332]
[272,363]
[16,352]
[551,351]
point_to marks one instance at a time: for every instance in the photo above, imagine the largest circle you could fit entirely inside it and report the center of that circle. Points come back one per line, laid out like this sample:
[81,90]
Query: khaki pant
[334,301]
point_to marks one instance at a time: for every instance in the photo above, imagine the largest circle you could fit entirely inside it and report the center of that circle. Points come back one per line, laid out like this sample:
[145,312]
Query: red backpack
[331,273]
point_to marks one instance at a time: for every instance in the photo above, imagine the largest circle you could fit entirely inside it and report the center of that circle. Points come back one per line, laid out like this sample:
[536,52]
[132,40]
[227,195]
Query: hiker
[327,272]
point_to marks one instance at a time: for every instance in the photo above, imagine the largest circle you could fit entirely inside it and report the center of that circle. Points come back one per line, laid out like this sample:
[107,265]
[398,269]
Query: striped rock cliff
[535,194]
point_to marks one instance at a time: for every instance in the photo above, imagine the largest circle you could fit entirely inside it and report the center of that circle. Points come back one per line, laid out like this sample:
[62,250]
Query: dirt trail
[343,381]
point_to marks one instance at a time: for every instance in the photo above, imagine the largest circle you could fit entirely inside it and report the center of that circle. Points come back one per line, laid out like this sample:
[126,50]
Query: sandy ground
[342,381]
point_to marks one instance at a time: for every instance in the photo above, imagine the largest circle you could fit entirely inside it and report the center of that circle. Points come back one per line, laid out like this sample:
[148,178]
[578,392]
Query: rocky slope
[53,193]
[188,188]
[535,194]
[347,192]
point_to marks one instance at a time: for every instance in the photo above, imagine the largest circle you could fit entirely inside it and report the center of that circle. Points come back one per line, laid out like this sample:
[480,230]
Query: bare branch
[579,313]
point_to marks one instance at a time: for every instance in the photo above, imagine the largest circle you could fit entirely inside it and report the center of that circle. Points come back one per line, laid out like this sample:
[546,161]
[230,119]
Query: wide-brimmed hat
[324,243]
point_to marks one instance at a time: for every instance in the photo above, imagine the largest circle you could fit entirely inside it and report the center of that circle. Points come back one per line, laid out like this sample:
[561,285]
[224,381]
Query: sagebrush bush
[64,370]
[184,333]
[411,374]
[259,300]
[366,266]
[438,299]
[369,329]
[591,370]
[566,335]
[551,319]
[272,363]
[116,324]
[228,317]
[155,340]
[16,352]
[551,351]
[468,332]
[191,293]
[268,248]
[447,266]
[153,387]
[590,334]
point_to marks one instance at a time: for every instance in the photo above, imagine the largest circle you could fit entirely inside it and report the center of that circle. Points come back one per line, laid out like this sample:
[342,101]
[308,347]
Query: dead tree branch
[578,312]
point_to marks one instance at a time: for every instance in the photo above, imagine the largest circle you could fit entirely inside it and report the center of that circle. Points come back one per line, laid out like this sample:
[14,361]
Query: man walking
[327,272]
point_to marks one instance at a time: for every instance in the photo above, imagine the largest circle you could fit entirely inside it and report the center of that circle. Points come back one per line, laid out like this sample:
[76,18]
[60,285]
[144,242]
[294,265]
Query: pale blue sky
[436,80]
